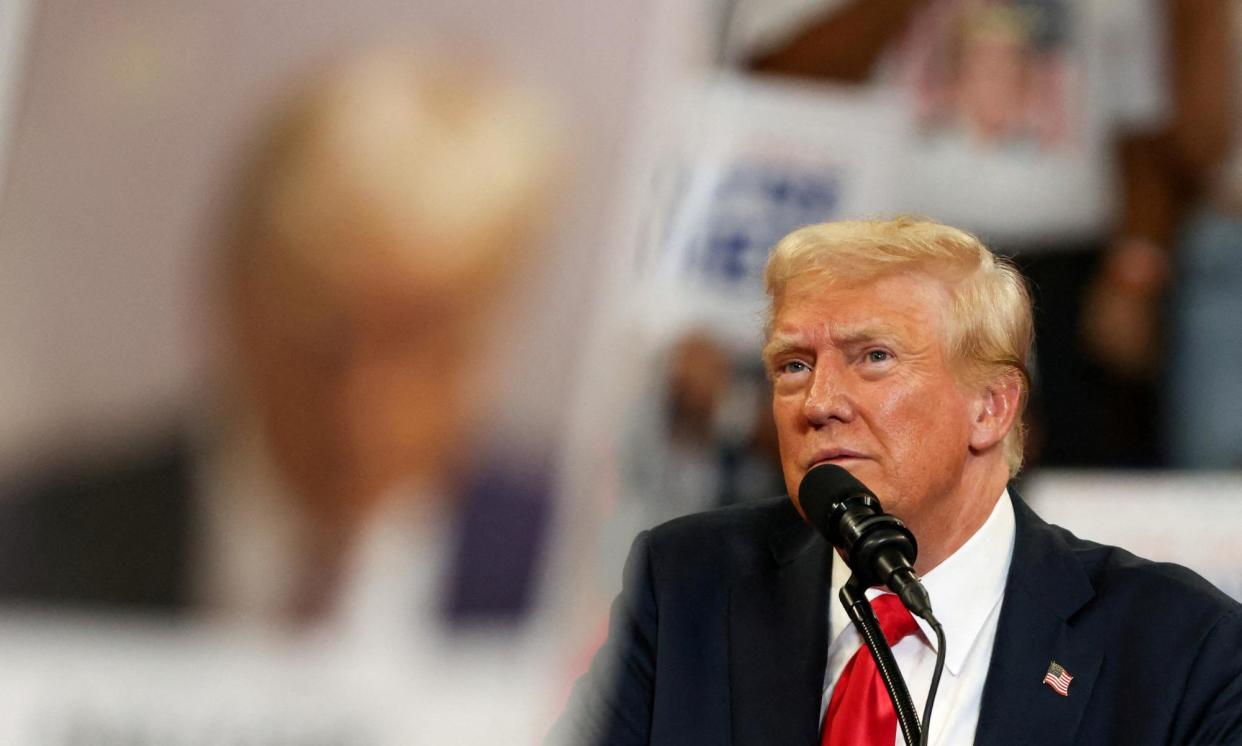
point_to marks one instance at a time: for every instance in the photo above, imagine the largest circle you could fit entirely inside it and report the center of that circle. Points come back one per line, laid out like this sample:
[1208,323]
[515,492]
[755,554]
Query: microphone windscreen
[821,489]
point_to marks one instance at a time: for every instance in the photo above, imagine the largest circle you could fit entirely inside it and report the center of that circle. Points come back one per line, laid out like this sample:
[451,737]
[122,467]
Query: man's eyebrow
[780,344]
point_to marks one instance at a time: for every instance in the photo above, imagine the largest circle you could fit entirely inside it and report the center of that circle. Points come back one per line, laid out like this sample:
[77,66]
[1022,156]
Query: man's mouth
[834,456]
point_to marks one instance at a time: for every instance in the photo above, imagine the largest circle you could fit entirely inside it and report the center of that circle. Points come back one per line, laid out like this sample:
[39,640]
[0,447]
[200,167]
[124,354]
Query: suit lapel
[778,641]
[1046,586]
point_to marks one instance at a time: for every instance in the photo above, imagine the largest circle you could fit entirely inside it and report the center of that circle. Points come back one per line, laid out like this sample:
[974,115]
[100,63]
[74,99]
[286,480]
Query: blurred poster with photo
[288,291]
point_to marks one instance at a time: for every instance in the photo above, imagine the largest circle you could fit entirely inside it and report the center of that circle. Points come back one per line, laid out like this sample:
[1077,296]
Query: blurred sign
[14,21]
[101,683]
[752,160]
[756,203]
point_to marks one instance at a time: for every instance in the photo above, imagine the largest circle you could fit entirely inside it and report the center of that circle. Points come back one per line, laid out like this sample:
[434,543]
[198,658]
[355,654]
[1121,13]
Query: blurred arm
[1203,86]
[1163,173]
[843,45]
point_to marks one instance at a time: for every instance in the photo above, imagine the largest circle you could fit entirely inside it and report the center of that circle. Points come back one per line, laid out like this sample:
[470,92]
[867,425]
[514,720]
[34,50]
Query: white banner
[67,682]
[1191,519]
[753,159]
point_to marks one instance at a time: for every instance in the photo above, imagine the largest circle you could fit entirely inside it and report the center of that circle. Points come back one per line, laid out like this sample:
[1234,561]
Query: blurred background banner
[756,159]
[127,122]
[94,683]
[89,681]
[289,302]
[14,24]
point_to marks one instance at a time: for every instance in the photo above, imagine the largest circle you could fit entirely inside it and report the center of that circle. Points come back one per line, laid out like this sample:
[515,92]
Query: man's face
[861,379]
[360,382]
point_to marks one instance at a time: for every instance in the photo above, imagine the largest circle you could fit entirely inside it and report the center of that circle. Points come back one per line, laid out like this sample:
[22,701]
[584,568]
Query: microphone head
[822,489]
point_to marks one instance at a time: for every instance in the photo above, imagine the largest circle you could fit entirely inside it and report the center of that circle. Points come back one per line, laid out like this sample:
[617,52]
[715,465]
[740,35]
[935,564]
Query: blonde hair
[442,165]
[990,325]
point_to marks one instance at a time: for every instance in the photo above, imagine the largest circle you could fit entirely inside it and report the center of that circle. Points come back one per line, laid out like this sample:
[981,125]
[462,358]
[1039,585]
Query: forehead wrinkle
[862,332]
[849,334]
[904,319]
[838,332]
[916,338]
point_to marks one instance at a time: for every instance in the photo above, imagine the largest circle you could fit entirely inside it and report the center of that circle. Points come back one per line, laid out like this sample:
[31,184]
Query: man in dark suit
[897,351]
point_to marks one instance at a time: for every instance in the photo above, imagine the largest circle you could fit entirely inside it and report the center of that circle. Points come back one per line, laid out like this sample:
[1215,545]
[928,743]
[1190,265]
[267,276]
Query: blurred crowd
[339,472]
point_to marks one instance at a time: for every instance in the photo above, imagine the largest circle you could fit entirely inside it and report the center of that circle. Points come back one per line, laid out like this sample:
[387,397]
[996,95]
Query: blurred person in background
[703,439]
[1048,128]
[1205,334]
[366,253]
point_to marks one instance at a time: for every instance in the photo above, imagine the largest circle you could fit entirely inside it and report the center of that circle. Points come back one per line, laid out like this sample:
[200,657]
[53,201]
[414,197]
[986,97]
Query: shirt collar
[966,587]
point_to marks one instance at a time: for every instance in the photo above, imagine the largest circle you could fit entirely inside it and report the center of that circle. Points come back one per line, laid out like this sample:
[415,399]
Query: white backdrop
[1191,519]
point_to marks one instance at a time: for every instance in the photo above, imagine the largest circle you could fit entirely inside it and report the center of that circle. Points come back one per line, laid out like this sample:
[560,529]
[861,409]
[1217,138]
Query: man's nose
[828,398]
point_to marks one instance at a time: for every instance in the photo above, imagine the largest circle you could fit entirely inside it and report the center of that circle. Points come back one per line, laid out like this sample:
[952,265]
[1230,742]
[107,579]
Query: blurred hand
[1121,325]
[699,374]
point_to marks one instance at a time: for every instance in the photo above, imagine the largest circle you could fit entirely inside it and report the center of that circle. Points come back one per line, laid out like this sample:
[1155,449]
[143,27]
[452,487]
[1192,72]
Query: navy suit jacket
[720,636]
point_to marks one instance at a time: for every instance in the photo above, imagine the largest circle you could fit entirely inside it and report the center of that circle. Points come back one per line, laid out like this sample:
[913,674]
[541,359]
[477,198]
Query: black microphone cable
[935,681]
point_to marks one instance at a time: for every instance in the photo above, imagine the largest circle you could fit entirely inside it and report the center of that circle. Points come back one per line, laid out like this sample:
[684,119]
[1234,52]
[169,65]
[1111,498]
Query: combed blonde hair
[990,326]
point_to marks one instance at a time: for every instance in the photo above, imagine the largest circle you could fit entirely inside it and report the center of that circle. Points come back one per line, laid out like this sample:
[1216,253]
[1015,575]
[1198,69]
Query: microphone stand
[858,607]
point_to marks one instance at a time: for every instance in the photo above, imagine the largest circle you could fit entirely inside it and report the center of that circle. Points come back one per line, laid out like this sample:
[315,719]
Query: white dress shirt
[966,591]
[252,541]
[383,636]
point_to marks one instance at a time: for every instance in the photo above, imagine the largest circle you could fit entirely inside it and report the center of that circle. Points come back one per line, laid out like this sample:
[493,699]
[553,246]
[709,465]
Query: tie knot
[895,620]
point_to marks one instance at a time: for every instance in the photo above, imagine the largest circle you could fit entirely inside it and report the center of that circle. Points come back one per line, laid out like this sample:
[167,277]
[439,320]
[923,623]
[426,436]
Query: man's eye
[794,366]
[878,356]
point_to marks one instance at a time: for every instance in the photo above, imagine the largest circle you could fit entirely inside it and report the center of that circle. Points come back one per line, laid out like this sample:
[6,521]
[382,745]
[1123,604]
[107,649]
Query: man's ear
[996,410]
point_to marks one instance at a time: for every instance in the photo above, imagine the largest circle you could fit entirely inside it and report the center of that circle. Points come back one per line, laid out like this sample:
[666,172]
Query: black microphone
[878,547]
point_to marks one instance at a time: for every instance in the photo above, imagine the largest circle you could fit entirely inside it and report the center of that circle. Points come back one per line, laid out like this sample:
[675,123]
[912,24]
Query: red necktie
[860,712]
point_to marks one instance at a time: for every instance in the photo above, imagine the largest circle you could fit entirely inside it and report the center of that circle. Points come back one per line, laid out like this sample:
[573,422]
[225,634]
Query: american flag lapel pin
[1058,678]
